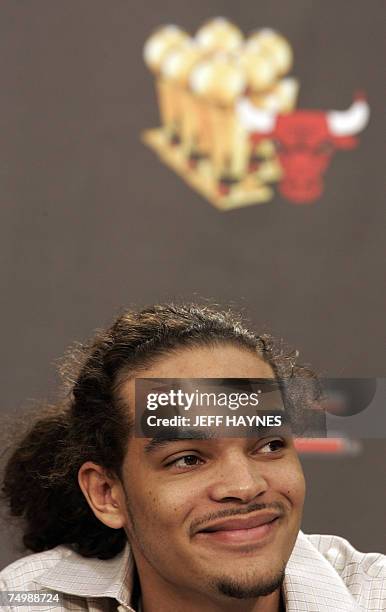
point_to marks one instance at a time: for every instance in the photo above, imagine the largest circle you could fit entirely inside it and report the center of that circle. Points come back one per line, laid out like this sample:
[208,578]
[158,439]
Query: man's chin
[248,587]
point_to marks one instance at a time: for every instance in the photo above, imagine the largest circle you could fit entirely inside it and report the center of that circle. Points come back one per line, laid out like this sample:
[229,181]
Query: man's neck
[160,594]
[154,601]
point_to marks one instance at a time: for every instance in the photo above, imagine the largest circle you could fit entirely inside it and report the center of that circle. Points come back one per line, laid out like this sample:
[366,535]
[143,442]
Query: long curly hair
[40,482]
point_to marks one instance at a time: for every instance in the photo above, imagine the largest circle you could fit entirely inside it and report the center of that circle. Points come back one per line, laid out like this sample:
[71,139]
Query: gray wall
[91,221]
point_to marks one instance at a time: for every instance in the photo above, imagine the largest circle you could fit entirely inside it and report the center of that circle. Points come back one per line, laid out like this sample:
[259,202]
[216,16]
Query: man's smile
[252,530]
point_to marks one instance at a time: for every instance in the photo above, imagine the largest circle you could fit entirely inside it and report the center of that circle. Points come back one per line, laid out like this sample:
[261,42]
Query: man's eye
[186,461]
[272,446]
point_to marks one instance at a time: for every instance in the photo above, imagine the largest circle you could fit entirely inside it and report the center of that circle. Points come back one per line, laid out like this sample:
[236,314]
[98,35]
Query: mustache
[229,512]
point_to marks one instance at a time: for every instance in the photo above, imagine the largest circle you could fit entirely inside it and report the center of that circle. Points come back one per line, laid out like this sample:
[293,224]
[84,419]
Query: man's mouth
[249,530]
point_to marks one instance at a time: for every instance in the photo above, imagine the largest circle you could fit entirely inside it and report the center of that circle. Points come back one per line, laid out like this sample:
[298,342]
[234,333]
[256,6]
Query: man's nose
[237,479]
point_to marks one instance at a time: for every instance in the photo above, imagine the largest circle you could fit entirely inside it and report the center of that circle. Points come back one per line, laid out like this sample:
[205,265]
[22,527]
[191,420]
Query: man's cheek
[153,506]
[142,515]
[290,481]
[296,489]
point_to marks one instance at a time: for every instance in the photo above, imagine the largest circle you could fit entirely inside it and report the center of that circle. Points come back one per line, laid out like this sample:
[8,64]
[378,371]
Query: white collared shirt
[324,574]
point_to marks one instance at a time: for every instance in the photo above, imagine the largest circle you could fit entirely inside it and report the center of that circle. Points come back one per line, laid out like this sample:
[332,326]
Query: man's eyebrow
[265,431]
[188,434]
[198,434]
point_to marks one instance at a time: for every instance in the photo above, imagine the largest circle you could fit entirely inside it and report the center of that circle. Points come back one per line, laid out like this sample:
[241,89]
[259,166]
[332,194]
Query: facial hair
[239,590]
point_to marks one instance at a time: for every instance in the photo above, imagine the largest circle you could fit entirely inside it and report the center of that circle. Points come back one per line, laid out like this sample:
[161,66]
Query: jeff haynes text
[205,420]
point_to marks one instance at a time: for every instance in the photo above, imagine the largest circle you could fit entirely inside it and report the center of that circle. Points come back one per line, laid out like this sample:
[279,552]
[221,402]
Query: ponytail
[40,485]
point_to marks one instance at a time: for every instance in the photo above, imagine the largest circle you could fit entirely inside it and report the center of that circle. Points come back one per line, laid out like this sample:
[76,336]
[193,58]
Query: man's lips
[251,530]
[249,522]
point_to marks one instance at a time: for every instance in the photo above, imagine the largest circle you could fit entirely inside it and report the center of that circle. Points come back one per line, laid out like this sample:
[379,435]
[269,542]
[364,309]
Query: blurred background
[92,222]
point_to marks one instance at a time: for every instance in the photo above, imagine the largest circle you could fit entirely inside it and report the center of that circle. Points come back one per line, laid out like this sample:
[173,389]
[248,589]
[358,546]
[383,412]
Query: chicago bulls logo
[305,141]
[230,126]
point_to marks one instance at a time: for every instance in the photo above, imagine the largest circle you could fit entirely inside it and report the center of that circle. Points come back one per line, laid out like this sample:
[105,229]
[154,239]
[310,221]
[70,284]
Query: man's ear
[104,494]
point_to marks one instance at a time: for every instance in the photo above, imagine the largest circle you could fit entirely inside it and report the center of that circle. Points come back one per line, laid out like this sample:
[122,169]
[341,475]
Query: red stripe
[321,445]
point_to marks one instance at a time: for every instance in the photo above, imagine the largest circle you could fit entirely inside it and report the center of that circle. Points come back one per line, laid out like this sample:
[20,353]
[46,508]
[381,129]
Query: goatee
[238,590]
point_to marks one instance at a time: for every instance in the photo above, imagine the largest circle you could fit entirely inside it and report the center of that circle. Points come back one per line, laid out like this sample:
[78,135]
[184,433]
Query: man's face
[215,517]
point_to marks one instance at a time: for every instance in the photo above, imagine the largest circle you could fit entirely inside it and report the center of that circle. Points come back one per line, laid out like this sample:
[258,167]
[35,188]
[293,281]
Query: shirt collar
[91,577]
[309,579]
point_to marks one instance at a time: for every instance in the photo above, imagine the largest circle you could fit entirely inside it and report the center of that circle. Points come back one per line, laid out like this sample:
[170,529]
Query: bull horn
[351,121]
[255,119]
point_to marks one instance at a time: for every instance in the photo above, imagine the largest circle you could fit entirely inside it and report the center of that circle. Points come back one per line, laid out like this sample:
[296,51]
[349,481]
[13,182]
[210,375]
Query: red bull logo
[305,141]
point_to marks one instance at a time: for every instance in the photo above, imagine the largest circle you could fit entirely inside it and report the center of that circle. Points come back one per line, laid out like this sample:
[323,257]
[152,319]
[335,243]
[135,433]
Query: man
[197,524]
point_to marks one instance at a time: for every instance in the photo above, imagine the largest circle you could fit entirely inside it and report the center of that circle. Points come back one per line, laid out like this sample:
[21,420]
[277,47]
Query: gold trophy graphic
[199,80]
